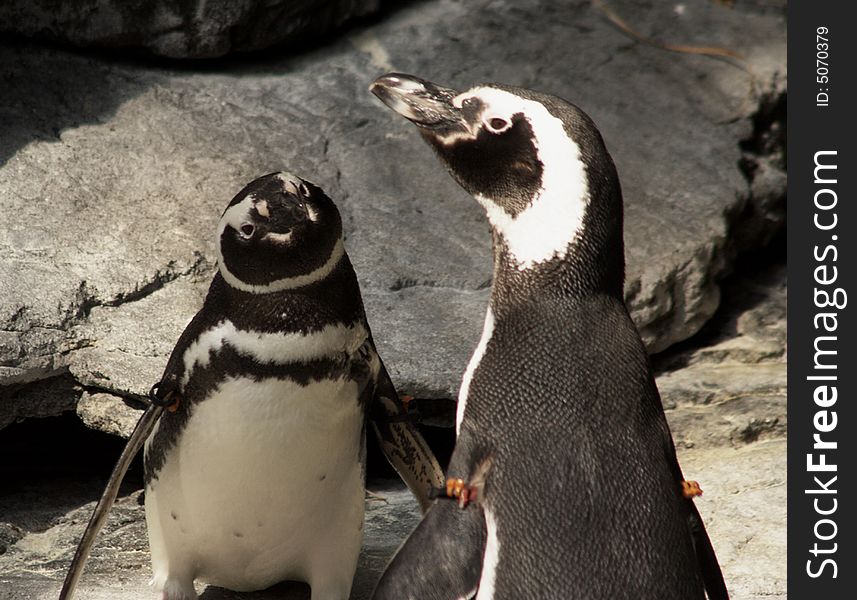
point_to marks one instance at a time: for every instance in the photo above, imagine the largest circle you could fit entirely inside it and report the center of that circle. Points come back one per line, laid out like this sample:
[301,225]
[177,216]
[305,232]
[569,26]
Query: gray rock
[114,174]
[197,29]
[732,422]
[742,349]
[9,534]
[111,184]
[728,388]
[43,398]
[108,413]
[135,338]
[430,358]
[744,509]
[708,383]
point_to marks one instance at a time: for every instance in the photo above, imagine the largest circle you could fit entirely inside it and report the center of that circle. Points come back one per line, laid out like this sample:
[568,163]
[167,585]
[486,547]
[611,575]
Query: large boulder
[114,175]
[195,29]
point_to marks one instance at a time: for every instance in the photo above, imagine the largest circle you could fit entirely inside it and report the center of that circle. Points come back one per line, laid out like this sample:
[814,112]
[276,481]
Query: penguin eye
[303,189]
[247,230]
[497,125]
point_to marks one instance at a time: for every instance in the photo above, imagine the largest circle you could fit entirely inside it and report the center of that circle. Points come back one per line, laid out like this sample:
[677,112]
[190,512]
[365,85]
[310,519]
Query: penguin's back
[564,401]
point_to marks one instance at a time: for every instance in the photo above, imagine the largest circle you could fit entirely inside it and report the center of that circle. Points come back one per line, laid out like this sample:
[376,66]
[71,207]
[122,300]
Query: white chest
[265,476]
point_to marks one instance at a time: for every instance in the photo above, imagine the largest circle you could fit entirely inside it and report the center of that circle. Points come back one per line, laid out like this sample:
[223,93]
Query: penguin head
[535,162]
[484,136]
[279,232]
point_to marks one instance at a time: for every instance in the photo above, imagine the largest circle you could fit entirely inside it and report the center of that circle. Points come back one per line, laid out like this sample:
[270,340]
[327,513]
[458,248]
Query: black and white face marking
[512,153]
[280,232]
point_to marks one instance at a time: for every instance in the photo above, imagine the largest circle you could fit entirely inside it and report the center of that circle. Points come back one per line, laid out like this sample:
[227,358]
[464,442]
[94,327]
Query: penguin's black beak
[422,102]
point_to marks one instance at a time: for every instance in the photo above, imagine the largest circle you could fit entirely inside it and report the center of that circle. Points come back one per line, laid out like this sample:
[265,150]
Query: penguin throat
[543,231]
[286,283]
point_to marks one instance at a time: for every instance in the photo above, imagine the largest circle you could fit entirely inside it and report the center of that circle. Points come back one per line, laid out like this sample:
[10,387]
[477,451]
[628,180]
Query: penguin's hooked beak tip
[422,102]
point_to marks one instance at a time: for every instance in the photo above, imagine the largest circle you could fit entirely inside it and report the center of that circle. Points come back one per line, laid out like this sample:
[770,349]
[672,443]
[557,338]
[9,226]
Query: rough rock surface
[43,398]
[114,174]
[108,413]
[727,386]
[195,29]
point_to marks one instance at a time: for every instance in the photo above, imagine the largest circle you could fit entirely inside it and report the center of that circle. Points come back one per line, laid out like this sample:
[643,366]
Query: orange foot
[690,489]
[456,488]
[406,400]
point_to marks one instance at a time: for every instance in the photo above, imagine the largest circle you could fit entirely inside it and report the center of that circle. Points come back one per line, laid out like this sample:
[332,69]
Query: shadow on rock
[46,91]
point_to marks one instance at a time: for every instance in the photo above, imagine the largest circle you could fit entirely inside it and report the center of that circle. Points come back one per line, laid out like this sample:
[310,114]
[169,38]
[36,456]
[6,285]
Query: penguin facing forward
[564,470]
[255,472]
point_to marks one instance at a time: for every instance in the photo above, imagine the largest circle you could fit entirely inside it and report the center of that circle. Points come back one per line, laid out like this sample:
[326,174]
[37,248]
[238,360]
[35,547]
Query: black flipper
[403,446]
[441,560]
[163,394]
[709,567]
[706,559]
[105,503]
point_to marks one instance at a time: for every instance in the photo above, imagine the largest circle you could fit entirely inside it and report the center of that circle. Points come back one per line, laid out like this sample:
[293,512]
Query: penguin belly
[264,484]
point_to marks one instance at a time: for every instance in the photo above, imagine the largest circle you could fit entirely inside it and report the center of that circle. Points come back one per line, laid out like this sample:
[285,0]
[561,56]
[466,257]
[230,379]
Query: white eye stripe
[288,181]
[262,208]
[279,238]
[236,215]
[496,112]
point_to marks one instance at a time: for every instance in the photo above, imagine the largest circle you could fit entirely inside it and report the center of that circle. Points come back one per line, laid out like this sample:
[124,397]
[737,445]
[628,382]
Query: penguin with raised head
[255,472]
[564,470]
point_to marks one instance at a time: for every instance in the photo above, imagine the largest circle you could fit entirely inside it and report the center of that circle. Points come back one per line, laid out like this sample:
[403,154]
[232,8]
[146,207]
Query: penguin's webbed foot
[690,489]
[179,589]
[375,496]
[464,493]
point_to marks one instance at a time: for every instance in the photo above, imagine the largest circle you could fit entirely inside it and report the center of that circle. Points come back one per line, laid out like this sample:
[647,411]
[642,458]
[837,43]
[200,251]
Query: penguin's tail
[712,576]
